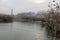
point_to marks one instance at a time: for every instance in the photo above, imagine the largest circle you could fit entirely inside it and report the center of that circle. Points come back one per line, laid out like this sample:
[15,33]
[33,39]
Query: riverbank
[6,18]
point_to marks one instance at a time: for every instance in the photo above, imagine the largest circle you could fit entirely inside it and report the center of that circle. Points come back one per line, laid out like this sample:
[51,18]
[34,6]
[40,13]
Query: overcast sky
[23,5]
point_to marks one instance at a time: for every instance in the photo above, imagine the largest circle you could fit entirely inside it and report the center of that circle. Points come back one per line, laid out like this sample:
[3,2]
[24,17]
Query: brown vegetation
[53,19]
[6,18]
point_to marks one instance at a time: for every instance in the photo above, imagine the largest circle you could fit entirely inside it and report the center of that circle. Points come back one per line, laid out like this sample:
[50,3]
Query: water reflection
[23,31]
[32,31]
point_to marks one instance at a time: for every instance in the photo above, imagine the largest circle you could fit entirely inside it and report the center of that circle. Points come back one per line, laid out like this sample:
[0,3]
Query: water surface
[22,31]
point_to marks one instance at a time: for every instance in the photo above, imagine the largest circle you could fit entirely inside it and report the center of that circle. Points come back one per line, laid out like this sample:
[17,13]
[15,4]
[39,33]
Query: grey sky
[22,5]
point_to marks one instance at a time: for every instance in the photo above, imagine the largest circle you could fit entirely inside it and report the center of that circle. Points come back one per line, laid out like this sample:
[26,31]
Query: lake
[23,31]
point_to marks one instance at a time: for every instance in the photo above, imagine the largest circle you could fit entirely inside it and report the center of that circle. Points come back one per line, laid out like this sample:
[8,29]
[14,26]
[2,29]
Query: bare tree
[53,18]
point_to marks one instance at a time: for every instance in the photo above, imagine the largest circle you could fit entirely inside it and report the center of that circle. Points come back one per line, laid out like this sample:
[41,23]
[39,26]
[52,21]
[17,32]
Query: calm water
[22,31]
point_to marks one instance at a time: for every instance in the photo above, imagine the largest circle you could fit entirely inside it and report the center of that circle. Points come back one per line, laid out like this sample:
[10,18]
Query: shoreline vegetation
[5,18]
[52,20]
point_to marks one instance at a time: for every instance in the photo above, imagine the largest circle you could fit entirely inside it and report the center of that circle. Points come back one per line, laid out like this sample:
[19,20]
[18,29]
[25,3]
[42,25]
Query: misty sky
[23,5]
